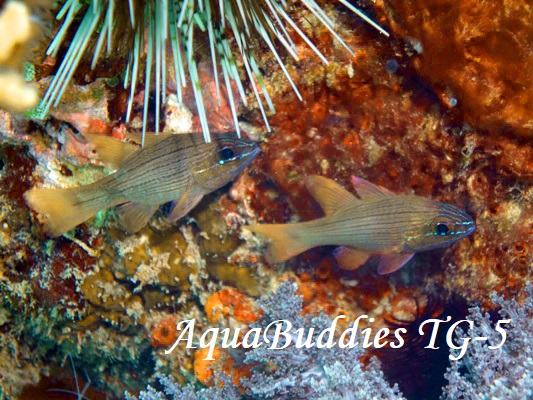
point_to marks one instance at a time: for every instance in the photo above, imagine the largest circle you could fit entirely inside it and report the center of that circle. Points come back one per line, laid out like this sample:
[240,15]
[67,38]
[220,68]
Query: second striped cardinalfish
[376,224]
[171,167]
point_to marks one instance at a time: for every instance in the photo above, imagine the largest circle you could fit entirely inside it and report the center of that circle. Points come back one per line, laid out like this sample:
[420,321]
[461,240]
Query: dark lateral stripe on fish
[142,176]
[162,186]
[165,150]
[388,221]
[362,230]
[142,168]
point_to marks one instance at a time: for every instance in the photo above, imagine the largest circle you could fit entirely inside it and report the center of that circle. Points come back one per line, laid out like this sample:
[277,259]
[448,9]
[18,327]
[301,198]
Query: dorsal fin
[149,139]
[368,191]
[111,151]
[328,193]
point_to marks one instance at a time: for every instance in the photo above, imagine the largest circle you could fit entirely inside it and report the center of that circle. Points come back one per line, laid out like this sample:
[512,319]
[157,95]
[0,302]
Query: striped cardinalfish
[375,223]
[170,168]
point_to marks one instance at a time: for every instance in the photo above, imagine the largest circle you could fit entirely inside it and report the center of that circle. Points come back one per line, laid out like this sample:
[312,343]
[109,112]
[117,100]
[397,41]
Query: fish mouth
[468,226]
[473,227]
[467,223]
[252,153]
[255,151]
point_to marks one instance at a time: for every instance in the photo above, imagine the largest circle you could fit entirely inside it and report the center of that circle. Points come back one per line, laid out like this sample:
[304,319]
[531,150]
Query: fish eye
[226,154]
[442,229]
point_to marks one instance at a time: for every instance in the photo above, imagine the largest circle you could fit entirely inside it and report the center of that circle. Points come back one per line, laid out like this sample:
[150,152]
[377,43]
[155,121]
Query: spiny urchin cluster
[144,28]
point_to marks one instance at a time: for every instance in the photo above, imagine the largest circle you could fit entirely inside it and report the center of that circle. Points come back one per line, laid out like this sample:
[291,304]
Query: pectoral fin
[350,258]
[112,151]
[329,194]
[390,262]
[181,208]
[368,191]
[134,216]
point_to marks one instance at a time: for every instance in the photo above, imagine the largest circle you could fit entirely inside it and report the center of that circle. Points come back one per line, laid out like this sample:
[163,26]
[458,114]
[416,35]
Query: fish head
[445,226]
[223,160]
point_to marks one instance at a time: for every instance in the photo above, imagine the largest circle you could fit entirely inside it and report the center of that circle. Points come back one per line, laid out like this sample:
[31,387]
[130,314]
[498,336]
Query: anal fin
[134,216]
[350,258]
[390,262]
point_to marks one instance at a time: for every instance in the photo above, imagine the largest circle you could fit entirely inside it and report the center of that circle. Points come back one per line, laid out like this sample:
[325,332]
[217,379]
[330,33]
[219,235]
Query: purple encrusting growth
[292,373]
[334,373]
[505,373]
[311,373]
[173,390]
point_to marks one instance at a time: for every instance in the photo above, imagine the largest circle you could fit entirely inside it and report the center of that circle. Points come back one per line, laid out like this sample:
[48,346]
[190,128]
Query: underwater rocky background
[443,108]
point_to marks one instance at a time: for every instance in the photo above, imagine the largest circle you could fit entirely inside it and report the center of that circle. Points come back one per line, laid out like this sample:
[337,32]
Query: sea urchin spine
[145,26]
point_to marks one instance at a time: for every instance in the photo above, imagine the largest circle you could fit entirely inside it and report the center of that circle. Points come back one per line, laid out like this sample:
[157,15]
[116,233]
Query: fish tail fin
[66,208]
[286,242]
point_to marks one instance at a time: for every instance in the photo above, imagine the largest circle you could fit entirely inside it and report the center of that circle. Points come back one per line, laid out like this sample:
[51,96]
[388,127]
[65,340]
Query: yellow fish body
[181,168]
[377,223]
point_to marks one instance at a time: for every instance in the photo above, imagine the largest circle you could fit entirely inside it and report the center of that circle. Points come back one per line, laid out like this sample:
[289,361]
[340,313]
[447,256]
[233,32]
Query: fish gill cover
[439,110]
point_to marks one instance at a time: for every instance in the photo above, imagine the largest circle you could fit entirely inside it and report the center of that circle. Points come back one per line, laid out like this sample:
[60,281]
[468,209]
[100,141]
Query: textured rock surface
[476,52]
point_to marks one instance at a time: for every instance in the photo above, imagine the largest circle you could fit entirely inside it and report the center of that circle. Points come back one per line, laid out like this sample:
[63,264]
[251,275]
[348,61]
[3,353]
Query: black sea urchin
[146,26]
